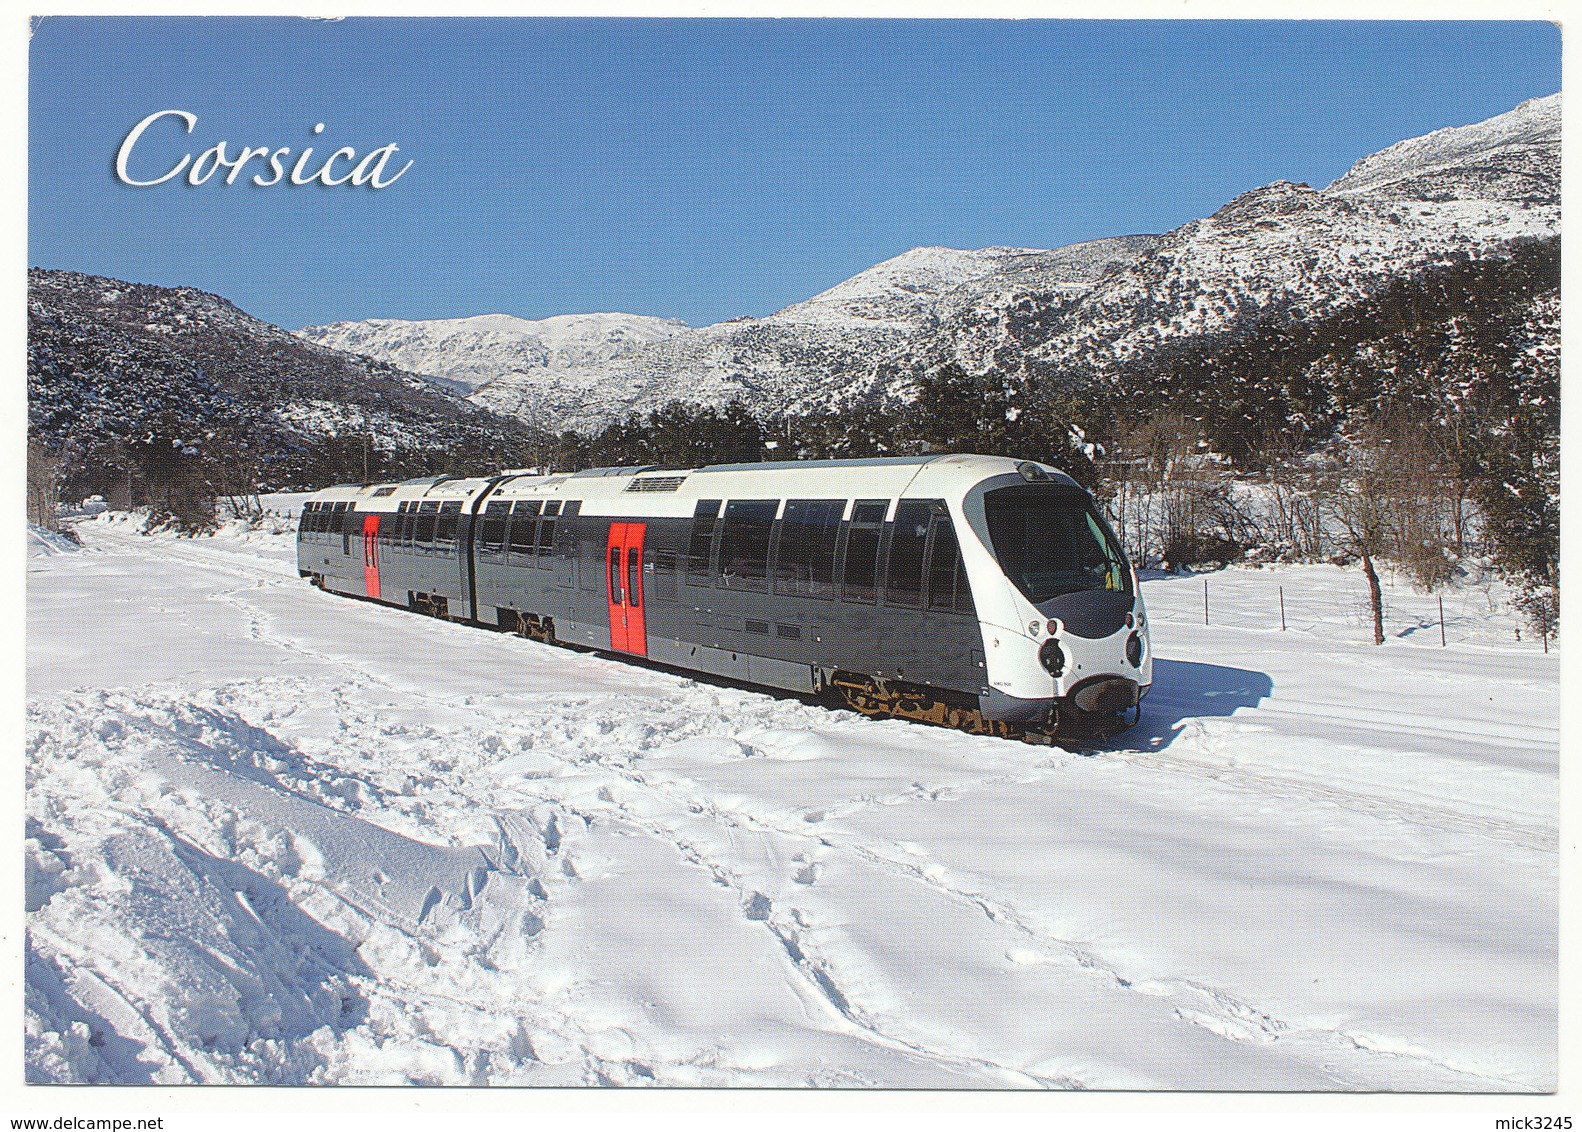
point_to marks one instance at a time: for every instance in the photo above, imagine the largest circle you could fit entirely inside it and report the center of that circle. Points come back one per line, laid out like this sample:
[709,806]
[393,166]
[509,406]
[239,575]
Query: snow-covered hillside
[1070,314]
[1505,141]
[280,836]
[112,363]
[839,347]
[472,352]
[1463,191]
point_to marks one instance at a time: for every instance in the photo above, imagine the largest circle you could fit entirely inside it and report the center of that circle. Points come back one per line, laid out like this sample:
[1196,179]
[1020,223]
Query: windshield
[1050,541]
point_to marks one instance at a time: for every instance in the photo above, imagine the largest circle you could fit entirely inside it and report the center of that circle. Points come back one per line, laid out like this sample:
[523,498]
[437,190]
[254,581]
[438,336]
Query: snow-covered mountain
[111,362]
[1068,315]
[1524,139]
[1294,249]
[470,352]
[851,342]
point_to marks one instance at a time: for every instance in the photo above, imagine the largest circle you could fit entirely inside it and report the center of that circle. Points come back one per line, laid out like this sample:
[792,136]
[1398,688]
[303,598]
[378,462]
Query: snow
[901,290]
[42,542]
[471,352]
[1535,122]
[278,836]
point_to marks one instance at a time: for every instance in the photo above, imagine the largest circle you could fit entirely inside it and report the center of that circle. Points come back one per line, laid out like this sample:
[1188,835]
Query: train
[978,592]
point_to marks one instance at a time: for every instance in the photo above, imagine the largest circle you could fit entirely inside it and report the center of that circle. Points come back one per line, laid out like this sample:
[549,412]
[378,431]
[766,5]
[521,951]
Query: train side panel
[787,577]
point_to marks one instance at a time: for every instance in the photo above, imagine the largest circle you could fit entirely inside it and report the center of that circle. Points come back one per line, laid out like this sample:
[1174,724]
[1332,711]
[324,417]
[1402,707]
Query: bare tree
[1395,498]
[1361,508]
[46,471]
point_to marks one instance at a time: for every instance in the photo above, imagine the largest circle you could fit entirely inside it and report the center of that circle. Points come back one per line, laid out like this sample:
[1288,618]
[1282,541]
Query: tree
[45,472]
[1390,501]
[1359,503]
[177,487]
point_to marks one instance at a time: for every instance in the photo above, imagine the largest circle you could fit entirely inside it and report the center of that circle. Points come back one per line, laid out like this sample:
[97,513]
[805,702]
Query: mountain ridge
[1064,315]
[114,364]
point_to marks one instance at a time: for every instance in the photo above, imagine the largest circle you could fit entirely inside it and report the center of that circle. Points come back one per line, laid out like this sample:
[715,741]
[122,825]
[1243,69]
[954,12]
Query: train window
[744,546]
[491,531]
[524,526]
[592,538]
[445,530]
[1049,541]
[634,578]
[704,515]
[615,575]
[903,584]
[947,576]
[572,507]
[858,578]
[551,507]
[870,510]
[546,533]
[805,565]
[427,520]
[351,524]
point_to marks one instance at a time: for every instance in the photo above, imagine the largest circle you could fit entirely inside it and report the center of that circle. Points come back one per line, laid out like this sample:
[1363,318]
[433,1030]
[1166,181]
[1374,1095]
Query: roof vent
[1031,472]
[656,483]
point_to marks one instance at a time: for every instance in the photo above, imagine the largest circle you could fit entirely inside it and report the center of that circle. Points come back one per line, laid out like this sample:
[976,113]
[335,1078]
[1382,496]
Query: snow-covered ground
[279,836]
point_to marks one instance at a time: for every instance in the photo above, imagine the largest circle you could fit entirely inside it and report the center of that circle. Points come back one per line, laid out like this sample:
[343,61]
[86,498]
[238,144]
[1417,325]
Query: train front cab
[1065,628]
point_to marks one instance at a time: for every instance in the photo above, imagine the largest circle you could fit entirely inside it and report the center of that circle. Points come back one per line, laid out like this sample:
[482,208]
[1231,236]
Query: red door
[624,587]
[371,555]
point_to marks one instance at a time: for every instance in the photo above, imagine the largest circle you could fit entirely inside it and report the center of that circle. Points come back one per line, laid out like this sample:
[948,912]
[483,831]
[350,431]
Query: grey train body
[799,576]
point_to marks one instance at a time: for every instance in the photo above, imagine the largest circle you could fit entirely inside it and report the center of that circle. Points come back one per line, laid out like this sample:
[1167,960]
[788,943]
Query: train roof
[944,474]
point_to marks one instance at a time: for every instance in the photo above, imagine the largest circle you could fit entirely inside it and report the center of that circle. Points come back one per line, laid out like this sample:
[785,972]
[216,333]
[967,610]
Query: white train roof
[652,490]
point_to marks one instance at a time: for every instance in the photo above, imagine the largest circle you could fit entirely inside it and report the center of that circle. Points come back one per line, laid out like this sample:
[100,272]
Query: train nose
[1104,695]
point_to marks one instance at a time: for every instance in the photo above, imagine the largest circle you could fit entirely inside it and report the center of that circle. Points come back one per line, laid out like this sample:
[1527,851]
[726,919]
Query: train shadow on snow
[1188,689]
[1182,690]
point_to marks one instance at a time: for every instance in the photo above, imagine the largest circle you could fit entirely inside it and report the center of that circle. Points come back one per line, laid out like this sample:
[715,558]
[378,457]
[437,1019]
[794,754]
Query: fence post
[1282,608]
[1441,620]
[1205,601]
[1543,623]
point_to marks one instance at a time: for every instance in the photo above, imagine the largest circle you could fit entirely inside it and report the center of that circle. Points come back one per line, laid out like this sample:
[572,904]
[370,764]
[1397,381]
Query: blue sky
[699,169]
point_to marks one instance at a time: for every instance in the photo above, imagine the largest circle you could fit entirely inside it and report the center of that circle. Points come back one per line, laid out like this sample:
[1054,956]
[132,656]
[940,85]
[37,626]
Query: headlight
[1134,650]
[1052,658]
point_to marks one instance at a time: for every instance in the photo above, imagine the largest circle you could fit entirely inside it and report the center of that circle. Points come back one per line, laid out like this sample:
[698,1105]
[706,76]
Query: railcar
[972,591]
